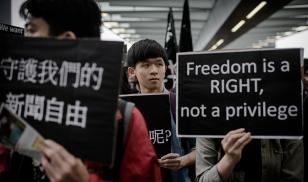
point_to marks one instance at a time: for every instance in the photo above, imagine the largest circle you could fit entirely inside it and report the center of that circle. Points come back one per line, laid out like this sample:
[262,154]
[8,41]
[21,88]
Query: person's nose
[153,69]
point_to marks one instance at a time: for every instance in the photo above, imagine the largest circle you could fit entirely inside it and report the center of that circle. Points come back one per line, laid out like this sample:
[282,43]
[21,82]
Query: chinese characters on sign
[34,106]
[47,71]
[30,70]
[160,136]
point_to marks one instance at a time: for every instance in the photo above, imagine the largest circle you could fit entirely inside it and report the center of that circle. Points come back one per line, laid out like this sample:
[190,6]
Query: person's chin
[154,84]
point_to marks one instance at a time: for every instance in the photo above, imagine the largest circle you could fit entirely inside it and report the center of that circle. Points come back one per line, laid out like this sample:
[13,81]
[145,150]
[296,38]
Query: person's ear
[67,35]
[131,74]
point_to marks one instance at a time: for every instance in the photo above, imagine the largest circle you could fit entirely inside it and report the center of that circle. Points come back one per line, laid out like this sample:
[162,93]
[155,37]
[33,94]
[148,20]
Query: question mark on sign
[168,134]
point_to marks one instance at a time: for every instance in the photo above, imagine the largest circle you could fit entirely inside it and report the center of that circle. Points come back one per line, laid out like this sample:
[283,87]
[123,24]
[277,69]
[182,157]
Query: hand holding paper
[18,134]
[60,165]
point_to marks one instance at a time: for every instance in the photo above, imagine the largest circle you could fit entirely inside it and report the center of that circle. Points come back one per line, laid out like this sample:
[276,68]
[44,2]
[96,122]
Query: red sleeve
[139,161]
[4,157]
[93,177]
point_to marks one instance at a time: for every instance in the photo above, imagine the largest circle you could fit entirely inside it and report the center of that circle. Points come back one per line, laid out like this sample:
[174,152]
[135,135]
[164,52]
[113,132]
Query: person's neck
[154,91]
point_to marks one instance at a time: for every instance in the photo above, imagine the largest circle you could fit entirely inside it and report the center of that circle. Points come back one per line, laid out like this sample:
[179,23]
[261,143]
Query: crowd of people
[236,157]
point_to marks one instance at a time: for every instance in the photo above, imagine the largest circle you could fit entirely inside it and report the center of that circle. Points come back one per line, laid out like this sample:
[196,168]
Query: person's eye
[160,64]
[30,30]
[145,65]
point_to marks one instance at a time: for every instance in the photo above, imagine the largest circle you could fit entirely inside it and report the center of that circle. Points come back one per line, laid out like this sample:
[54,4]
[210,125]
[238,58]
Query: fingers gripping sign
[234,142]
[60,165]
[171,161]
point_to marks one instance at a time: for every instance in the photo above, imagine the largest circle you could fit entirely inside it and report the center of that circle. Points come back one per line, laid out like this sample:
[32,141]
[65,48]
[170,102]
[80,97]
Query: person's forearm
[189,159]
[225,167]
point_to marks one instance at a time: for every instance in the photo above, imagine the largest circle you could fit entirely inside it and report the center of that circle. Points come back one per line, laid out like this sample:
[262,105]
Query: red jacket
[139,161]
[4,156]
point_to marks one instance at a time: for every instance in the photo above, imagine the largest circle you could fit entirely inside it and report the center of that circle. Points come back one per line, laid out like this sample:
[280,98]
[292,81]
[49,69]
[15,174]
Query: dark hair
[144,49]
[83,17]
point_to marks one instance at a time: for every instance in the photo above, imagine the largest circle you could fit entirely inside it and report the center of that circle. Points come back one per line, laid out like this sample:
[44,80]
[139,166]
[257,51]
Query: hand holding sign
[171,161]
[60,165]
[233,144]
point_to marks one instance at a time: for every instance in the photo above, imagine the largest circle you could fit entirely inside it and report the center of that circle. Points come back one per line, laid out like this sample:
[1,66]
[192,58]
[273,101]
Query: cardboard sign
[259,90]
[156,111]
[66,89]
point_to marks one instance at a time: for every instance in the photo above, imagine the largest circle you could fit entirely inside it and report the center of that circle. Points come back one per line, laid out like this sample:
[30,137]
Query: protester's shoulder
[137,118]
[292,143]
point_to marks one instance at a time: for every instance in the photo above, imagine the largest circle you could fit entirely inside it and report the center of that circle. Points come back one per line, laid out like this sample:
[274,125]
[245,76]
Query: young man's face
[36,27]
[150,74]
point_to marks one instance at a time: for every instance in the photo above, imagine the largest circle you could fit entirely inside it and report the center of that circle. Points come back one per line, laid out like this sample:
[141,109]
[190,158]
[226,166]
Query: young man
[71,19]
[147,66]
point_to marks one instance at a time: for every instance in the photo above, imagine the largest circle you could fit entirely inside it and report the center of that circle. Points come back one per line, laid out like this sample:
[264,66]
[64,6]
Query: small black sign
[10,30]
[156,111]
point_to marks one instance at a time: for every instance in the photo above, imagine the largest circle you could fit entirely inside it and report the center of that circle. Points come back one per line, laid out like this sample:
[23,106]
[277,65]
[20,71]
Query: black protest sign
[259,90]
[10,30]
[156,111]
[66,89]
